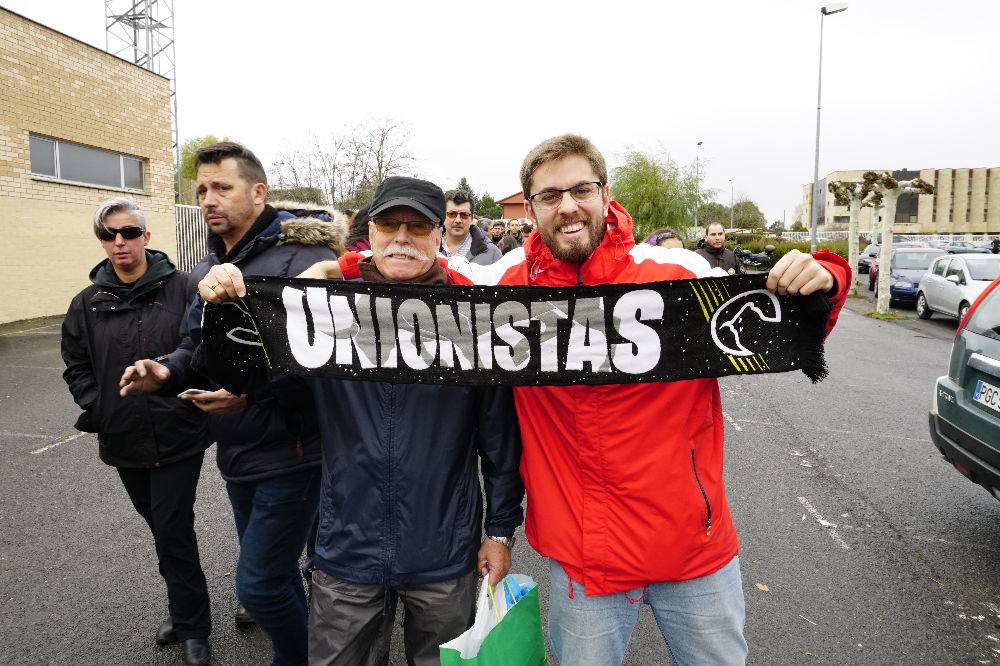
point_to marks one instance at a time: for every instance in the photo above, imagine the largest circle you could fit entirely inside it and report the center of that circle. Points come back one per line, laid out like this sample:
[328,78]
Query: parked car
[906,266]
[955,282]
[870,253]
[965,411]
[964,247]
[866,256]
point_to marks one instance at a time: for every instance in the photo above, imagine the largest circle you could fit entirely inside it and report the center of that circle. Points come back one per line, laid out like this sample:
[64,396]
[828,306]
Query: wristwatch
[503,541]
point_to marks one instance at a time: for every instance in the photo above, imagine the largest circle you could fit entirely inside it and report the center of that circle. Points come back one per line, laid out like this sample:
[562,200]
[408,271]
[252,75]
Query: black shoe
[166,634]
[242,618]
[197,651]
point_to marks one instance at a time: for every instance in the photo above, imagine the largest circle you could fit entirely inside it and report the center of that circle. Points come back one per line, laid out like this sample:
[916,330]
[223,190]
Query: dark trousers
[273,518]
[164,497]
[351,623]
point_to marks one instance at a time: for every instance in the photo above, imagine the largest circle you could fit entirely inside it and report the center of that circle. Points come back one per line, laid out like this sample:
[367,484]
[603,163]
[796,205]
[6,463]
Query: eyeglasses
[456,215]
[581,193]
[388,225]
[128,233]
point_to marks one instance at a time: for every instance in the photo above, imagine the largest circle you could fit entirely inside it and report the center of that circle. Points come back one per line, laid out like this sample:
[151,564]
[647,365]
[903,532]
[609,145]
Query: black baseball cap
[422,196]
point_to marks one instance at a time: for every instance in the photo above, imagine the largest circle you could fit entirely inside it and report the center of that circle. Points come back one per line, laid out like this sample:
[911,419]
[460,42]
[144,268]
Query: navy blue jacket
[276,434]
[401,502]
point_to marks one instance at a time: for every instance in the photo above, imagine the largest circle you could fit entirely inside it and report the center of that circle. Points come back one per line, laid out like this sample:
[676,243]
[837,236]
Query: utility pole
[697,182]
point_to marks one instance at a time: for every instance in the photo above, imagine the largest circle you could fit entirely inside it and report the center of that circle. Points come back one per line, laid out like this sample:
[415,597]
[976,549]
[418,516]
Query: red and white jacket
[625,482]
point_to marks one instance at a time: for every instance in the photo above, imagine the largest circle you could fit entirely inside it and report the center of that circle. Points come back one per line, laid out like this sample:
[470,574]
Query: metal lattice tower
[142,31]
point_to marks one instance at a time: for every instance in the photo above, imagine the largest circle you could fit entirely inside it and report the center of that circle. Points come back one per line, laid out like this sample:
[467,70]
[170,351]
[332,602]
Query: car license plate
[987,394]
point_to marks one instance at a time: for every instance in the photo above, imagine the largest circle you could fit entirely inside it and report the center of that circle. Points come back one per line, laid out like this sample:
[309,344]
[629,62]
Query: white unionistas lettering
[484,337]
[587,340]
[455,337]
[308,353]
[548,314]
[386,333]
[507,316]
[417,334]
[642,354]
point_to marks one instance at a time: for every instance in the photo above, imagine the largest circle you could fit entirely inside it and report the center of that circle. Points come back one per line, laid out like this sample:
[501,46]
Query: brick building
[78,126]
[513,206]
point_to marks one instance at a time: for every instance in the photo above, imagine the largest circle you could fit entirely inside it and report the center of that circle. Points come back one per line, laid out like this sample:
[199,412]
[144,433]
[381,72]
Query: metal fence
[192,237]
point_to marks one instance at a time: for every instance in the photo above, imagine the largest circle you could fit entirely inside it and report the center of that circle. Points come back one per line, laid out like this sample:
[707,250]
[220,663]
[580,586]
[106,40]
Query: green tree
[746,215]
[713,213]
[797,226]
[488,207]
[188,167]
[656,191]
[463,185]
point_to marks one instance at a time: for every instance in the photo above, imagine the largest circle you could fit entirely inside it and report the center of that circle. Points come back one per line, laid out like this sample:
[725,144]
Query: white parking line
[29,435]
[831,528]
[838,431]
[57,443]
[733,421]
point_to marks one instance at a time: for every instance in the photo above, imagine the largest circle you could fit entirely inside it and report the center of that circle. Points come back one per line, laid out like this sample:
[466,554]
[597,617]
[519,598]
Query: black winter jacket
[401,502]
[723,258]
[276,434]
[106,329]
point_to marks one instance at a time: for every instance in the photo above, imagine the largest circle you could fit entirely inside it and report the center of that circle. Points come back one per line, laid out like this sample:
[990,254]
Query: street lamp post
[824,11]
[697,182]
[730,204]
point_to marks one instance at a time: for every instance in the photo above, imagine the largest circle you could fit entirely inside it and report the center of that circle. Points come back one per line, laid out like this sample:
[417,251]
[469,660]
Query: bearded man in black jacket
[133,310]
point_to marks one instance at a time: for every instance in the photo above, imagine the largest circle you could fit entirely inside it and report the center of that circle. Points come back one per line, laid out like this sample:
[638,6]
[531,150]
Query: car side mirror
[954,279]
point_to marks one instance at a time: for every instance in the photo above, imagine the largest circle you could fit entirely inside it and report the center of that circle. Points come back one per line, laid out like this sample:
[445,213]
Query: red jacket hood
[600,265]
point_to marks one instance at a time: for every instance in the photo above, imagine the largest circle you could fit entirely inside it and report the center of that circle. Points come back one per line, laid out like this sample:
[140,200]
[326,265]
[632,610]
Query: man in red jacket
[625,482]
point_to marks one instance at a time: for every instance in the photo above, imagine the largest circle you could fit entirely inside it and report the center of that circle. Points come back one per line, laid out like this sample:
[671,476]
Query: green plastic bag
[513,640]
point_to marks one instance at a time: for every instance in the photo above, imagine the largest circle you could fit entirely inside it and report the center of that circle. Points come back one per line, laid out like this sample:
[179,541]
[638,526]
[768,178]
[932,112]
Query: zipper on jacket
[704,496]
[145,402]
[390,499]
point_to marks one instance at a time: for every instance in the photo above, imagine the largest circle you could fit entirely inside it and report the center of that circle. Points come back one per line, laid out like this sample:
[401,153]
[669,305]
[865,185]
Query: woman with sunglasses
[133,310]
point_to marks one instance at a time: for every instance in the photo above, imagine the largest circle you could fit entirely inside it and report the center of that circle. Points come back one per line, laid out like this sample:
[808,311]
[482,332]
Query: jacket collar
[602,266]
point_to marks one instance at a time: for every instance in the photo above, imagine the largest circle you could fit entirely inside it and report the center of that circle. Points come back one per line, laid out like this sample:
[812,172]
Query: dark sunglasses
[128,233]
[388,225]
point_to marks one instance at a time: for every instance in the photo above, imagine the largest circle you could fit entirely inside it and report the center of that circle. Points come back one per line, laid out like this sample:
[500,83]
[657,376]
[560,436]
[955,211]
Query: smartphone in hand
[191,393]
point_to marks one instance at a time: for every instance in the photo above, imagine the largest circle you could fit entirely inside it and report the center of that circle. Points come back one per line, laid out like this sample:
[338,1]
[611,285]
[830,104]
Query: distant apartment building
[964,201]
[77,126]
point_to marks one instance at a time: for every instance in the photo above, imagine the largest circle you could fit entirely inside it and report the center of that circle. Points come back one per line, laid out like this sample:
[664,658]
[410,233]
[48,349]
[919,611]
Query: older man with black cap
[401,515]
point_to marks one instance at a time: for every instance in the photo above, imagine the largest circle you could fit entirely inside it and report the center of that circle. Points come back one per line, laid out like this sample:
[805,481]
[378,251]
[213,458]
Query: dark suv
[965,410]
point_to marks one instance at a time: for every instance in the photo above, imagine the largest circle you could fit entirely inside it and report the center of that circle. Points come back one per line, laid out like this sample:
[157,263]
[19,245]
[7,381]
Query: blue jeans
[273,518]
[701,620]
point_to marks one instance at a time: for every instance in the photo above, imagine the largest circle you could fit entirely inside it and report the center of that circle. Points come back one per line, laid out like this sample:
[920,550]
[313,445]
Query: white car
[953,283]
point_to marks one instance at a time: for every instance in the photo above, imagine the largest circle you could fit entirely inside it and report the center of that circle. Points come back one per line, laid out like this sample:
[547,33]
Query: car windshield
[986,267]
[915,261]
[985,319]
[871,250]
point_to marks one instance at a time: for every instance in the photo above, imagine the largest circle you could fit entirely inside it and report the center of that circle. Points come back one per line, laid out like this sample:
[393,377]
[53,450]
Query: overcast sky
[905,84]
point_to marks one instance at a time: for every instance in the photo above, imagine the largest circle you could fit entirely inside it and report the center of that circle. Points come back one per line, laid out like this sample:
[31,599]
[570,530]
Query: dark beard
[577,252]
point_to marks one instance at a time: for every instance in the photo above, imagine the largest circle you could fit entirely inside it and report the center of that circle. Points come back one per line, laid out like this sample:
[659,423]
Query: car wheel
[963,310]
[923,311]
[862,269]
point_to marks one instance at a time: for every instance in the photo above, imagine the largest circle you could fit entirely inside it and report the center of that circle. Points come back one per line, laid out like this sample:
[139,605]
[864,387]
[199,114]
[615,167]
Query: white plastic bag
[487,617]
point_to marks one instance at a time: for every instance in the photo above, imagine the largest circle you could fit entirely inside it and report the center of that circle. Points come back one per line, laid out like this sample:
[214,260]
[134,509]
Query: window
[955,269]
[74,163]
[939,266]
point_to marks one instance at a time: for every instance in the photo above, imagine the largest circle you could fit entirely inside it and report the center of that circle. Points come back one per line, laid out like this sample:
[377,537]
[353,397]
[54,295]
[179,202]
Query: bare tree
[347,167]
